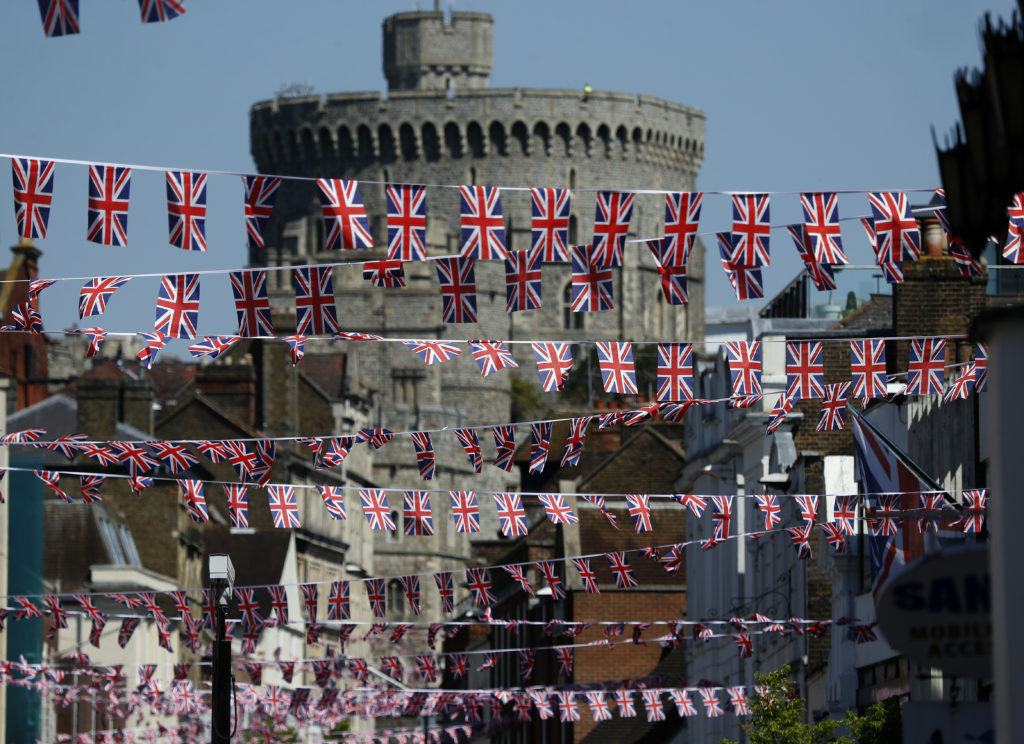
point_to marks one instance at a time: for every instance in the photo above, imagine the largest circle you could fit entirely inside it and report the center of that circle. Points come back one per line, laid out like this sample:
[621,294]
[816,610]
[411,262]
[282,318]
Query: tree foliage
[777,717]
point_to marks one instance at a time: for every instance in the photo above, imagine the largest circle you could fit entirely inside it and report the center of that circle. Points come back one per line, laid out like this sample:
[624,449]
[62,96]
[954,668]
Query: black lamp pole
[220,702]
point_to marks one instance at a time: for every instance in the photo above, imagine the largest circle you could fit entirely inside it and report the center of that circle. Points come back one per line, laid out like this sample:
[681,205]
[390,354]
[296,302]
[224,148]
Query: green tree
[777,713]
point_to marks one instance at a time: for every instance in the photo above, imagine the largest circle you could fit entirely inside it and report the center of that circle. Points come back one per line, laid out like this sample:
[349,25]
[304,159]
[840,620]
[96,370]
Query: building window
[570,320]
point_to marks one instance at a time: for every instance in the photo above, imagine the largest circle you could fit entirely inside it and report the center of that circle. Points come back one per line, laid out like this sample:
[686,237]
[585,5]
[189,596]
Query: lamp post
[222,586]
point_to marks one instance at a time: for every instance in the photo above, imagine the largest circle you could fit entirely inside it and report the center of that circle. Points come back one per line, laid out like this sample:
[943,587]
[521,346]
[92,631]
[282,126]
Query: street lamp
[222,587]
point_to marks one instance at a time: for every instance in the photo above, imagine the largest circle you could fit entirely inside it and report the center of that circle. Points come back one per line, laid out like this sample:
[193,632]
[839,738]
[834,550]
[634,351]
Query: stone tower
[441,124]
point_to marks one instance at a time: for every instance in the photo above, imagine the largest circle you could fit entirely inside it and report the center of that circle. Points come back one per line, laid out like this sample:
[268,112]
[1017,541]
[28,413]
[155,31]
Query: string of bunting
[61,17]
[892,232]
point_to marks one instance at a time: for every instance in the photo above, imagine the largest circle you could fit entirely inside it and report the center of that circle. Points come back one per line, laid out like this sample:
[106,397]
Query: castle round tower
[440,124]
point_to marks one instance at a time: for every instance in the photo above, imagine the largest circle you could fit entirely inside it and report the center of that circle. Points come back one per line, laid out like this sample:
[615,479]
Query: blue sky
[798,96]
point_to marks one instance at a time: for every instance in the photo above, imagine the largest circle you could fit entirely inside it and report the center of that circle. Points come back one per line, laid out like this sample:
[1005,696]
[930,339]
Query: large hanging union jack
[483,227]
[186,210]
[108,204]
[177,306]
[314,300]
[550,226]
[251,302]
[345,219]
[33,195]
[407,222]
[260,195]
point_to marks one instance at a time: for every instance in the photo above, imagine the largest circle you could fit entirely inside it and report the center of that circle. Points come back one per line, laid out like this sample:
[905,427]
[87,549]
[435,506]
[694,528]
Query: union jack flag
[557,509]
[574,441]
[338,607]
[177,306]
[621,570]
[675,372]
[465,511]
[468,439]
[478,582]
[297,345]
[926,370]
[511,515]
[24,317]
[458,289]
[491,356]
[682,215]
[540,443]
[751,228]
[446,589]
[238,506]
[554,360]
[652,705]
[386,274]
[175,457]
[376,437]
[834,536]
[844,514]
[782,408]
[314,300]
[617,371]
[378,599]
[67,445]
[892,270]
[587,575]
[808,505]
[967,263]
[283,507]
[550,226]
[334,501]
[611,224]
[424,453]
[768,503]
[483,227]
[108,204]
[684,705]
[505,444]
[94,295]
[91,488]
[639,511]
[522,282]
[745,367]
[820,273]
[832,406]
[805,370]
[712,705]
[212,346]
[867,367]
[673,278]
[160,10]
[186,209]
[411,587]
[376,509]
[418,518]
[821,228]
[344,215]
[738,700]
[407,222]
[980,367]
[60,17]
[251,303]
[721,516]
[895,228]
[135,456]
[192,490]
[591,281]
[433,352]
[961,387]
[550,573]
[260,195]
[974,509]
[1015,232]
[33,195]
[599,709]
[625,704]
